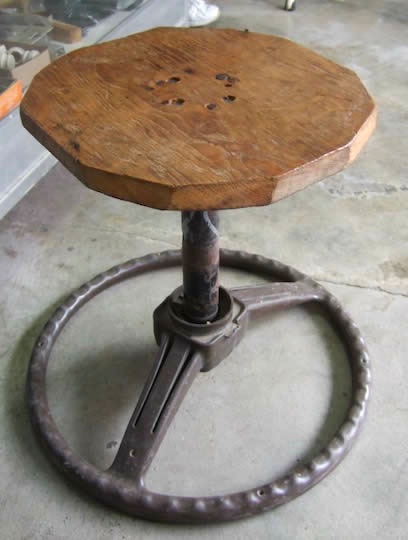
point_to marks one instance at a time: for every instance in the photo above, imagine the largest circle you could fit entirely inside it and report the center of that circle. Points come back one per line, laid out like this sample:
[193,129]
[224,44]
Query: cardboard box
[25,72]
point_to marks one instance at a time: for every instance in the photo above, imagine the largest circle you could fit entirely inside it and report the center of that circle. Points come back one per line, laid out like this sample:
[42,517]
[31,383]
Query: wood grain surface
[198,119]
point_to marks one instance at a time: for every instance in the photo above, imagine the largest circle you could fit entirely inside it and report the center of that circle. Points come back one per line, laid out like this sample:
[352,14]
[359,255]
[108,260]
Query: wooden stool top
[199,119]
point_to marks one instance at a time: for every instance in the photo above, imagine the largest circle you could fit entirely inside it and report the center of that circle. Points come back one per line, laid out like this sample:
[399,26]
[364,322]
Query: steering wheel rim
[126,495]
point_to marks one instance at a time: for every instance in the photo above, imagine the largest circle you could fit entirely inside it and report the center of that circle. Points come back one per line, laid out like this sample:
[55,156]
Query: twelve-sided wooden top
[199,119]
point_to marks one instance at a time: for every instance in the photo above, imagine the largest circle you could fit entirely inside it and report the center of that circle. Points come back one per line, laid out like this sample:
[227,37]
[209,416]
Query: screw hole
[177,101]
[222,76]
[173,80]
[261,492]
[211,106]
[132,453]
[229,99]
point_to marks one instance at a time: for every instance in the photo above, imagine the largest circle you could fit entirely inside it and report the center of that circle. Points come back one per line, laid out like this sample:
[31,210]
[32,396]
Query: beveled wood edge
[329,164]
[207,196]
[363,134]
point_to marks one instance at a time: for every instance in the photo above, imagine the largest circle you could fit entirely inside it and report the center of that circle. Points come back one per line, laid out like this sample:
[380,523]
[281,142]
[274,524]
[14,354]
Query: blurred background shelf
[23,161]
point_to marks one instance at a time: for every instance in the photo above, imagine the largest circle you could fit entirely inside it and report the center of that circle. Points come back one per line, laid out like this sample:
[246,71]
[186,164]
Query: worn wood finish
[199,119]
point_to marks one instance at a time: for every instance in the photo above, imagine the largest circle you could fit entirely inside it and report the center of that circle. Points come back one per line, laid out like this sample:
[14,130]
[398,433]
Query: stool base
[185,350]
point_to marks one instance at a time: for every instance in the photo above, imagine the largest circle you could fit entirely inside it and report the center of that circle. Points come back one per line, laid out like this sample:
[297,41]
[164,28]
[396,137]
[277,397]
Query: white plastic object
[7,61]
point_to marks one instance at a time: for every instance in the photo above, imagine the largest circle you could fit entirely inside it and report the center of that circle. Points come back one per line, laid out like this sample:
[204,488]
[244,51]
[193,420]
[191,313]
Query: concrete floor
[277,397]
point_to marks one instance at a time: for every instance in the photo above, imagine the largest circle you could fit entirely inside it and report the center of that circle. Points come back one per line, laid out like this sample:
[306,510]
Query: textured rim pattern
[121,492]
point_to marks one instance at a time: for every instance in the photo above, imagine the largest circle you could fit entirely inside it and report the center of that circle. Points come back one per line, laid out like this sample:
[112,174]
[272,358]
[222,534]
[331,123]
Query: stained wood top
[199,119]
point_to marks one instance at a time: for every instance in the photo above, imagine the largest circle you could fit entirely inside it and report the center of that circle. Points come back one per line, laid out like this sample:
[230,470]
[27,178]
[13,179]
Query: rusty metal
[200,265]
[176,366]
[185,349]
[213,341]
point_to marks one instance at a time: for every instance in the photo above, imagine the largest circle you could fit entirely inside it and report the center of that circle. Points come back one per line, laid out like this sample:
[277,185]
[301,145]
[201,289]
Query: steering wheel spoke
[260,299]
[173,372]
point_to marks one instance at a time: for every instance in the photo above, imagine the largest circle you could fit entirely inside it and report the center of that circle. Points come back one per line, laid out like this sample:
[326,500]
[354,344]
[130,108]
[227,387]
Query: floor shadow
[98,395]
[90,382]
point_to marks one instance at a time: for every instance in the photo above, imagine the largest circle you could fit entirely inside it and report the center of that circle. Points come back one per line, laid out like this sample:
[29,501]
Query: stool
[197,121]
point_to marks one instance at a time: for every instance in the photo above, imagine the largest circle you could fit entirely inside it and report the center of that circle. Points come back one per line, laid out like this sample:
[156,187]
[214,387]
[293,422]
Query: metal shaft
[200,265]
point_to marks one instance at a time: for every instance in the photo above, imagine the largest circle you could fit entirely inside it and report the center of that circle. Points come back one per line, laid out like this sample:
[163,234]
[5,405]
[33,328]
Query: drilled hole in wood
[229,99]
[211,106]
[177,101]
[222,76]
[173,80]
[228,85]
